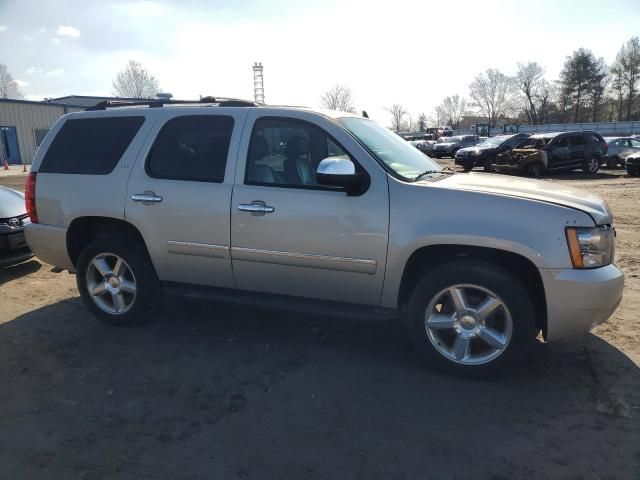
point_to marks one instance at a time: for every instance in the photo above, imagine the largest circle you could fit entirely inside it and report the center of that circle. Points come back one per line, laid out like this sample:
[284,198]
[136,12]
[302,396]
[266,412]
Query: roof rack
[160,102]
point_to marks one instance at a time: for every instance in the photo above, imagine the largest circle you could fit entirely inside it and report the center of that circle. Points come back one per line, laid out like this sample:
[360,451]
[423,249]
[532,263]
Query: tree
[598,88]
[628,59]
[618,85]
[492,94]
[135,82]
[454,109]
[581,74]
[438,118]
[421,122]
[398,113]
[338,98]
[529,81]
[546,93]
[9,88]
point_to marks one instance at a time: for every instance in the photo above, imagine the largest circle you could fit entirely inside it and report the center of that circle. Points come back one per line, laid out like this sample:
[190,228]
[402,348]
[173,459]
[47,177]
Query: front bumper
[633,166]
[13,248]
[49,243]
[580,300]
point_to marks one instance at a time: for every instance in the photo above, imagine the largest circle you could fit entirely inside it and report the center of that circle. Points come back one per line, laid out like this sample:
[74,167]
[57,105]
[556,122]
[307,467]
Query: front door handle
[146,197]
[255,208]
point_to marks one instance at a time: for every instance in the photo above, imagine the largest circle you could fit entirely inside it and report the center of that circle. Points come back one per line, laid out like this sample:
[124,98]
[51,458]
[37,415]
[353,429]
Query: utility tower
[258,83]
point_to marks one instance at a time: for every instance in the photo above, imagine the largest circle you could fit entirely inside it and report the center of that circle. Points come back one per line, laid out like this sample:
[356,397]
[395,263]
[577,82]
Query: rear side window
[577,140]
[90,146]
[192,147]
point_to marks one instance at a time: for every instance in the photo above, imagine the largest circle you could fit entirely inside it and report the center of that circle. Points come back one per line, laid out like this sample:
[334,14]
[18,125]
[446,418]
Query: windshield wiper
[445,171]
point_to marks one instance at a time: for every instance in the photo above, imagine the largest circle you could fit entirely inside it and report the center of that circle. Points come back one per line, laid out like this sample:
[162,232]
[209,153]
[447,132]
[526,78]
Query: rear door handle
[146,197]
[255,208]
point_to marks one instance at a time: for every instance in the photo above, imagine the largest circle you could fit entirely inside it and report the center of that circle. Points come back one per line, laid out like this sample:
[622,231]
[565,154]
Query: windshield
[492,142]
[396,154]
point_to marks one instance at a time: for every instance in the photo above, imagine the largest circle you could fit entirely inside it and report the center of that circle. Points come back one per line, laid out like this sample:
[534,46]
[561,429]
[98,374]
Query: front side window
[192,147]
[635,143]
[286,153]
[393,152]
[577,140]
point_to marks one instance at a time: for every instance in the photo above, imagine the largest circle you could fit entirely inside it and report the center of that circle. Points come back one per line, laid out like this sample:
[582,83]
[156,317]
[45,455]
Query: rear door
[179,193]
[559,155]
[578,148]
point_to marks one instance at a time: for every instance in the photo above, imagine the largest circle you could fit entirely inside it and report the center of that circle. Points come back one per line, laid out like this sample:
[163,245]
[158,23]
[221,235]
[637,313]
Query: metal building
[23,125]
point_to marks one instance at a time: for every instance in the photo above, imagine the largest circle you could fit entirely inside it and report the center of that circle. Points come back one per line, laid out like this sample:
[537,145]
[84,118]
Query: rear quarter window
[90,146]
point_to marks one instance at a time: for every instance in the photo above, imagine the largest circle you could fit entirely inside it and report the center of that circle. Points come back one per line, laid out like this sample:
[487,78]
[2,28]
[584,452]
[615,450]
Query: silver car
[13,217]
[319,212]
[619,148]
[448,146]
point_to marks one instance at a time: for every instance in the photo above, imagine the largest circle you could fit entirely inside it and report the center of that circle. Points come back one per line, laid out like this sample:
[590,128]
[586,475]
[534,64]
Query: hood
[11,203]
[590,203]
[477,147]
[444,144]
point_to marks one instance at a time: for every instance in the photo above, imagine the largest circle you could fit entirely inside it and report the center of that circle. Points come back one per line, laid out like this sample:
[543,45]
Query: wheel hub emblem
[114,282]
[468,322]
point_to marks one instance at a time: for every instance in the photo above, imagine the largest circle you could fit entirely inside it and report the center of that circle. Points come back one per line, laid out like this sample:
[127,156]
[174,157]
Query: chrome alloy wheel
[593,165]
[111,283]
[468,324]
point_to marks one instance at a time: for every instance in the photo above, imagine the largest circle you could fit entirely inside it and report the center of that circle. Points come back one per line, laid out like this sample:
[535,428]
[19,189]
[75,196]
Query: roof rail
[160,102]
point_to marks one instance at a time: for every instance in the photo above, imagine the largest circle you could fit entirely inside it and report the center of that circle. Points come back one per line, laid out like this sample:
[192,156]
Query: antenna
[258,83]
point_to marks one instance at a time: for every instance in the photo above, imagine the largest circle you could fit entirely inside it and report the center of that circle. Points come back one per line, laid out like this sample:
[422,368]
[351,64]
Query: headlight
[591,247]
[476,152]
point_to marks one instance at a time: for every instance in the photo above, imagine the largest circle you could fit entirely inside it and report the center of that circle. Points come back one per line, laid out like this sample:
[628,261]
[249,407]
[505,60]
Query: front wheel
[612,162]
[534,170]
[488,165]
[117,281]
[471,318]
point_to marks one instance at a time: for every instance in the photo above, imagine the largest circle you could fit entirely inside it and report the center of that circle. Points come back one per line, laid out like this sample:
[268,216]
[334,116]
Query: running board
[272,301]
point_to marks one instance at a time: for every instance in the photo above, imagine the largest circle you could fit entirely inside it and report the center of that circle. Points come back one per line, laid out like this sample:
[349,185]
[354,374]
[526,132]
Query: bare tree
[453,107]
[9,88]
[618,88]
[135,82]
[398,113]
[338,98]
[546,94]
[529,80]
[492,94]
[438,118]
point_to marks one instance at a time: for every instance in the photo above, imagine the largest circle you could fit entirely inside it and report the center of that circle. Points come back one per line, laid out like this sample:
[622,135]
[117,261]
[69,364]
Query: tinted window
[560,143]
[577,140]
[635,143]
[193,147]
[90,146]
[287,153]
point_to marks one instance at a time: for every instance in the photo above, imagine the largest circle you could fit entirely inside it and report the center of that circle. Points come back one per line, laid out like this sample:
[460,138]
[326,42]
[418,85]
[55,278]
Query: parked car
[13,217]
[484,154]
[348,218]
[632,164]
[425,146]
[448,146]
[619,148]
[554,152]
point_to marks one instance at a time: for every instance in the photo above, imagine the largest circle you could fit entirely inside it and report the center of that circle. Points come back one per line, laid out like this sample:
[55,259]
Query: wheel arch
[83,230]
[428,257]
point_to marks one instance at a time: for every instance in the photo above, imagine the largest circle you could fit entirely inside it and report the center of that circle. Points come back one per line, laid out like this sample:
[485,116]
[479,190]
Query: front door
[559,155]
[291,235]
[179,195]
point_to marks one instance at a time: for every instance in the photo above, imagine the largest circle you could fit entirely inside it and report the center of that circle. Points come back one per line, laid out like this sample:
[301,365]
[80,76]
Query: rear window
[90,146]
[192,147]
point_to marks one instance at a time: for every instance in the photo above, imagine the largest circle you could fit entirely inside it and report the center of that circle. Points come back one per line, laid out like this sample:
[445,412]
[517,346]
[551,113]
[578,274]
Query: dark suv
[551,152]
[484,154]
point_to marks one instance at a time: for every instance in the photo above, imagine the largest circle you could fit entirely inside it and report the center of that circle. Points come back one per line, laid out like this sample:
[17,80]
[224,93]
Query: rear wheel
[117,281]
[471,318]
[591,165]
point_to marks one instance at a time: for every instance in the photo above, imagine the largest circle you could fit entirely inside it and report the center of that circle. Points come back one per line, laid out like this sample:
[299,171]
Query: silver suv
[317,211]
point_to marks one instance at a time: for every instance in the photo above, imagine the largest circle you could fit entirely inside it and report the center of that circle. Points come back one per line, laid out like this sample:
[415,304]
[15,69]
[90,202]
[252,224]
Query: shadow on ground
[20,270]
[215,391]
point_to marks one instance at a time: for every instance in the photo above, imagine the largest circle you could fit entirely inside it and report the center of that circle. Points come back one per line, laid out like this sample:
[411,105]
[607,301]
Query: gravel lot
[215,391]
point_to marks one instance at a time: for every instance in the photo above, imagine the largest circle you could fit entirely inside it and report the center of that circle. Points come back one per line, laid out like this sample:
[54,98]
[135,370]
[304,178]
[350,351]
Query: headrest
[296,146]
[259,148]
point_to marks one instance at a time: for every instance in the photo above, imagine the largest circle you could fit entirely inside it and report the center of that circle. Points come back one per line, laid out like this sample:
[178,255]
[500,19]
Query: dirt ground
[212,391]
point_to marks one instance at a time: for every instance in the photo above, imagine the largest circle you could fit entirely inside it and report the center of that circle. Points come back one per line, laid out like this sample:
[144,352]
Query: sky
[409,52]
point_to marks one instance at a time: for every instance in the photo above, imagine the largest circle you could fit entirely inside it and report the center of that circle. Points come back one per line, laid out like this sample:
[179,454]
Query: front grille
[5,221]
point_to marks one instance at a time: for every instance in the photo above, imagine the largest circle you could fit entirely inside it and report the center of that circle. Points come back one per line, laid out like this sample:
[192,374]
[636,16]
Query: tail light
[30,197]
[606,147]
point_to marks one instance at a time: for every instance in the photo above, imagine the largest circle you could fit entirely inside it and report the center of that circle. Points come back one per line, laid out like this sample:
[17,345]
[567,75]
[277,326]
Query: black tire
[147,287]
[534,170]
[491,277]
[488,165]
[612,162]
[591,165]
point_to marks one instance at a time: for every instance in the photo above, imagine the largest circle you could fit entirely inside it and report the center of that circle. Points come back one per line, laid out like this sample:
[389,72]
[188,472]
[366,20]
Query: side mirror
[340,172]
